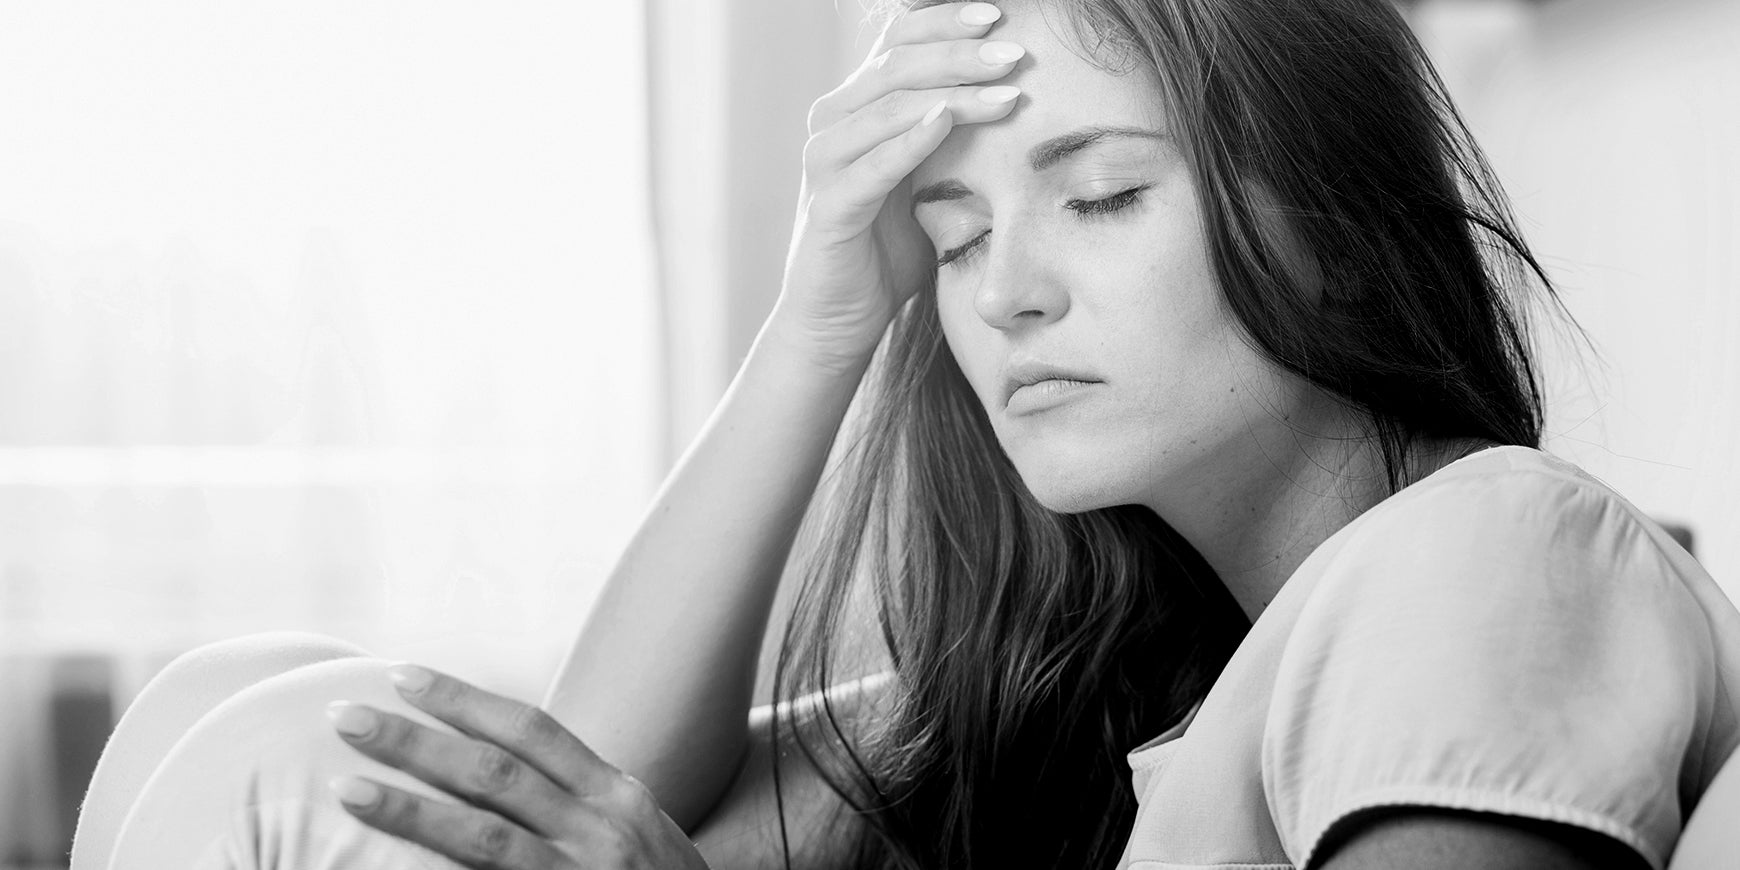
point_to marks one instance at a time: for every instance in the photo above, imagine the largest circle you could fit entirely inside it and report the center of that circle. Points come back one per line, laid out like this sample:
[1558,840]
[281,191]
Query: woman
[1203,420]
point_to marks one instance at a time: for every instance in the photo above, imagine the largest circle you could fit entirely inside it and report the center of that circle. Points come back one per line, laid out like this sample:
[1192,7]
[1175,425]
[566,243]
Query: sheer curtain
[326,316]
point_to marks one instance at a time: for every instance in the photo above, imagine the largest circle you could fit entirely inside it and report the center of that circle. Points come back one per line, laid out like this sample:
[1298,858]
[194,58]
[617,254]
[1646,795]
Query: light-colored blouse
[1506,635]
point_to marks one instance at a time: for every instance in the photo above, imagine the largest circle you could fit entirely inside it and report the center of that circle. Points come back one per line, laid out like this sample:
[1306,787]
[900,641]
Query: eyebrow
[1042,157]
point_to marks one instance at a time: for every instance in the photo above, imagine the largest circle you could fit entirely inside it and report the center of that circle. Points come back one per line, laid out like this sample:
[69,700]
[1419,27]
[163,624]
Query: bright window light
[332,316]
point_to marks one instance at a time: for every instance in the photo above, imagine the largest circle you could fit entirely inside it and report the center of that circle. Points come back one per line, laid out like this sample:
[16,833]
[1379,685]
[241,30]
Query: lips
[1029,372]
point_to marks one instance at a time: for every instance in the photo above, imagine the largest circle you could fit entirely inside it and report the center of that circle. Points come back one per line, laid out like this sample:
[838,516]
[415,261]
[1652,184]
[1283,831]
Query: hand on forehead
[1064,87]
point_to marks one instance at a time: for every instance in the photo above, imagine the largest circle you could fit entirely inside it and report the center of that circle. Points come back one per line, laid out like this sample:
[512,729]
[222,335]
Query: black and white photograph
[870,435]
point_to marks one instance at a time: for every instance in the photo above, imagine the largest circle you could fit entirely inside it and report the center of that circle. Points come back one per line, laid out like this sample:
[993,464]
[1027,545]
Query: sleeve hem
[1481,800]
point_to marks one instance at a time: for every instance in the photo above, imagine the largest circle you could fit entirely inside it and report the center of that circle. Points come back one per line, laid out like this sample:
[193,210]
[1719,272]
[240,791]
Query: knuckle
[890,107]
[880,163]
[828,108]
[403,814]
[494,771]
[818,115]
[896,56]
[446,691]
[491,839]
[611,843]
[532,726]
[395,735]
[631,798]
[617,844]
[816,152]
[965,54]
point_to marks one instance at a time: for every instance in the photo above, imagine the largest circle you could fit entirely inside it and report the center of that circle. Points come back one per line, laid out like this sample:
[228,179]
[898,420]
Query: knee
[192,685]
[262,759]
[180,695]
[202,677]
[280,724]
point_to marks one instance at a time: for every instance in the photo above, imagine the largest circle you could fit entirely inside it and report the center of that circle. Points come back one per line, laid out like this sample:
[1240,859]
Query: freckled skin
[1128,297]
[1252,465]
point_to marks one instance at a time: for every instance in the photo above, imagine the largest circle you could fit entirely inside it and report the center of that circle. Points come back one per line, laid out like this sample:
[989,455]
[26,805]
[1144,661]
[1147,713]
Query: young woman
[1194,510]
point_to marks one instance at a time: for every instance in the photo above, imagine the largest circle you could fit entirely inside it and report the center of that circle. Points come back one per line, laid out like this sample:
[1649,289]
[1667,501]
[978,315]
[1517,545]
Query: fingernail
[359,793]
[934,113]
[999,53]
[409,678]
[999,95]
[979,14]
[351,719]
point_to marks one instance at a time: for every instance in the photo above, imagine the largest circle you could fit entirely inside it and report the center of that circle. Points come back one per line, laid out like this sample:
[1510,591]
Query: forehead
[1063,87]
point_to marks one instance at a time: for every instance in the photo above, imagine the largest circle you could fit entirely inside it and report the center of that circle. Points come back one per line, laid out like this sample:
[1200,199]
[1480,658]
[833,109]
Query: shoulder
[1506,516]
[1510,550]
[1505,487]
[1506,636]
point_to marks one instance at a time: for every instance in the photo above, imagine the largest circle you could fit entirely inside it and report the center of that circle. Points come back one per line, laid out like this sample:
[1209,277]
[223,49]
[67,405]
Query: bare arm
[743,832]
[660,680]
[1434,837]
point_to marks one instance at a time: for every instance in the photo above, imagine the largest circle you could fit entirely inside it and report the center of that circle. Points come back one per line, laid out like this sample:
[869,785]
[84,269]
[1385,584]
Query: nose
[1018,286]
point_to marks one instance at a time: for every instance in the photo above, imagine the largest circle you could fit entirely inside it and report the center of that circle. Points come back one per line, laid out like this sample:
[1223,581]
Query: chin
[1076,472]
[1062,489]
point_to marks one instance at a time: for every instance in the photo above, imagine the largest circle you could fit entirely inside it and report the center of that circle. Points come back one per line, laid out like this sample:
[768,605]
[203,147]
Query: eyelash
[1085,209]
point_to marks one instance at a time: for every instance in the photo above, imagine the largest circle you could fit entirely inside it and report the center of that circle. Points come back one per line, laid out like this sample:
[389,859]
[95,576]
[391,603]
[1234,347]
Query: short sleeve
[1511,643]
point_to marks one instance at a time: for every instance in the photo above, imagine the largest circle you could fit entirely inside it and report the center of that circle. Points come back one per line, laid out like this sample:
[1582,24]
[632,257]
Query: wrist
[840,353]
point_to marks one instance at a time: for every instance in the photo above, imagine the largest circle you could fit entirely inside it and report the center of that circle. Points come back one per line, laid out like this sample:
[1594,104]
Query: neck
[1256,516]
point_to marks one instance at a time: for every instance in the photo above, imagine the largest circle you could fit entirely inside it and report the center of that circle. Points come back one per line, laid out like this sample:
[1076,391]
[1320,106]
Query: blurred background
[385,319]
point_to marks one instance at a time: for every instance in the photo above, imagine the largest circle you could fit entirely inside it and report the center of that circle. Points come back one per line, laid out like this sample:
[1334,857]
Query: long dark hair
[1361,241]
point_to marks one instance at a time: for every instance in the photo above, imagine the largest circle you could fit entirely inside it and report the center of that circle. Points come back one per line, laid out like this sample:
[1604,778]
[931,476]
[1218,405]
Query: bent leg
[176,698]
[246,788]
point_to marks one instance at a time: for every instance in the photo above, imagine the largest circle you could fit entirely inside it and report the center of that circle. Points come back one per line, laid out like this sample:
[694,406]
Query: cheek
[1183,298]
[1171,336]
[963,331]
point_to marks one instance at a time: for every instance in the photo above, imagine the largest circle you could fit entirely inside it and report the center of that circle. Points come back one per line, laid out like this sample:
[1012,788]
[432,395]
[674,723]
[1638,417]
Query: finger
[937,22]
[833,149]
[944,23]
[847,205]
[909,67]
[480,772]
[473,837]
[520,728]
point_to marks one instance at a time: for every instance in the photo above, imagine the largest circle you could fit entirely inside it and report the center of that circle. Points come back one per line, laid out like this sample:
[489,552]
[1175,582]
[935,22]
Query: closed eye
[1086,209]
[1116,202]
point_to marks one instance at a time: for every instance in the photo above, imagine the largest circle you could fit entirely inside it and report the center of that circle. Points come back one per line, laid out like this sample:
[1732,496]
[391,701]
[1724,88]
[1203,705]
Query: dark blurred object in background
[81,713]
[1681,535]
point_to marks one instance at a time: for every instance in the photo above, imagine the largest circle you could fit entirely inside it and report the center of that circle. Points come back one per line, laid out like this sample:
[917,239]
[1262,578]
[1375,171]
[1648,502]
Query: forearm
[660,680]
